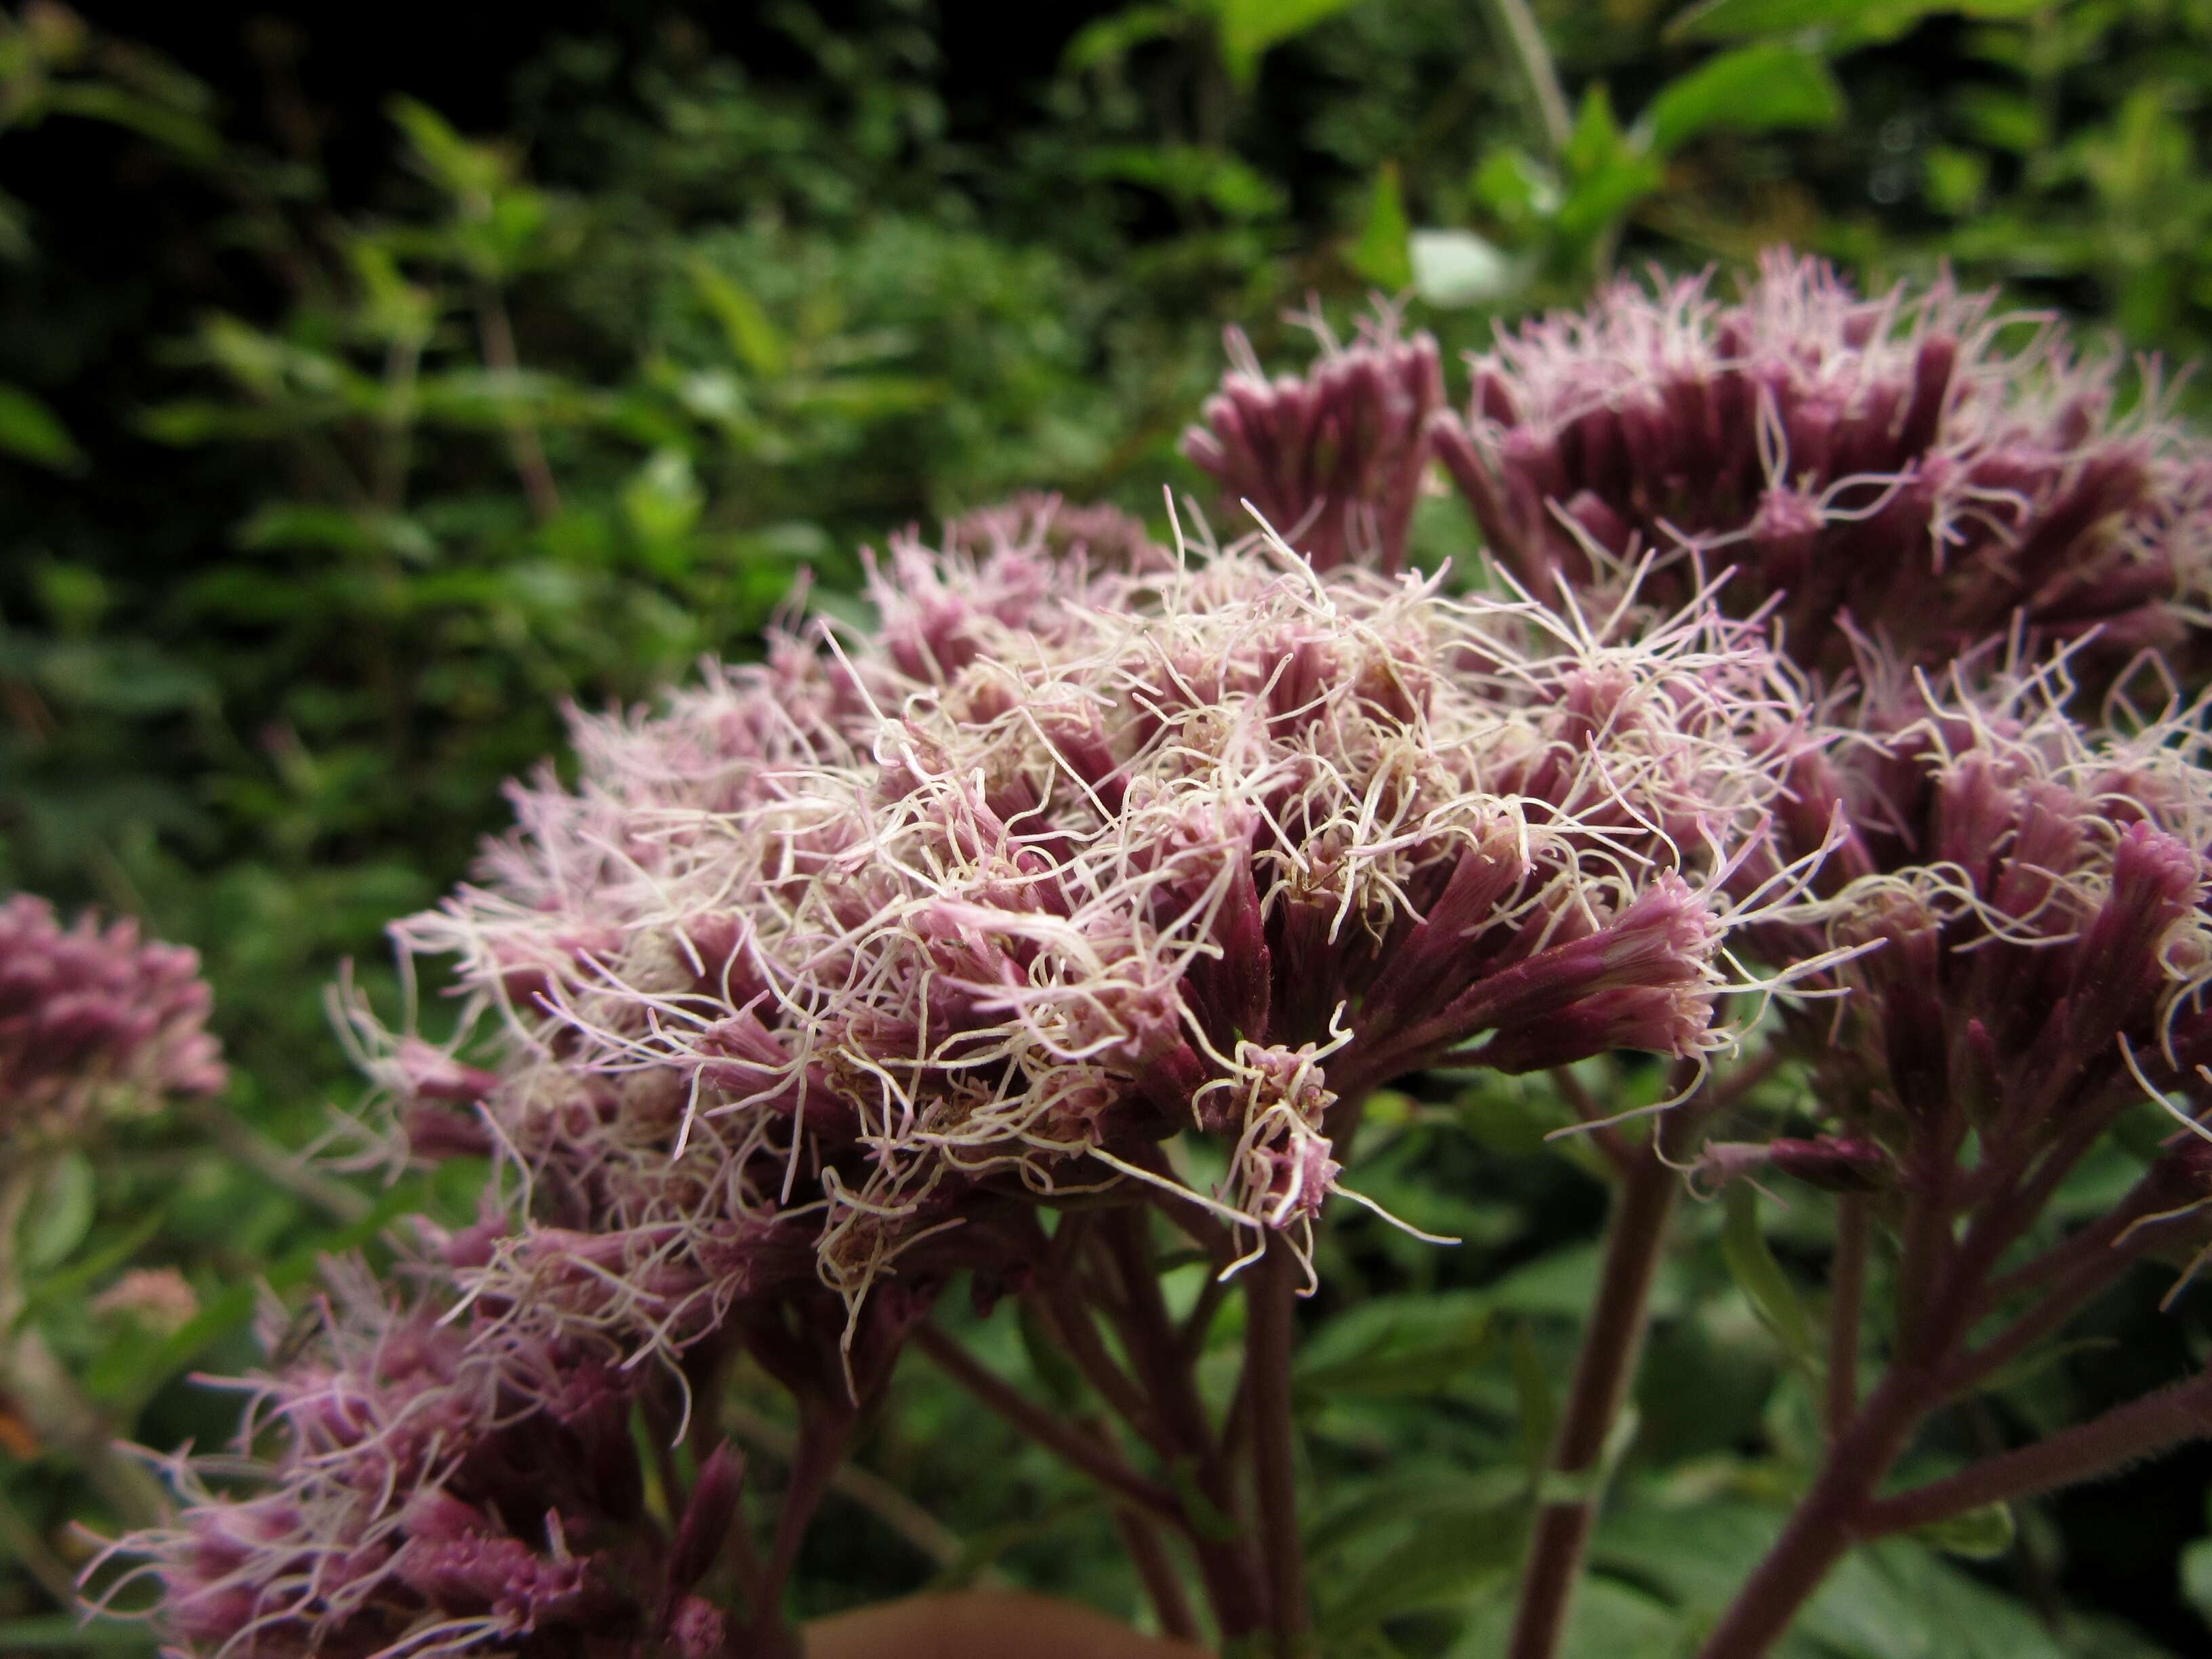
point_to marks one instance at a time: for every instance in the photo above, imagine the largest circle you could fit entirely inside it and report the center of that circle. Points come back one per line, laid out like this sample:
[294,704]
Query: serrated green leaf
[1443,1565]
[1757,88]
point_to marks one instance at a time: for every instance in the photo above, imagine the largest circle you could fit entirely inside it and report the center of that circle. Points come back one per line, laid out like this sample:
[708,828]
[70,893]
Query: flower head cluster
[2030,904]
[1933,470]
[436,1487]
[837,965]
[1332,459]
[93,1019]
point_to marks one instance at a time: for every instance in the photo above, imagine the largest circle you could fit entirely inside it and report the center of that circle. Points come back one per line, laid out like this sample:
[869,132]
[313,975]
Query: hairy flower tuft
[1932,471]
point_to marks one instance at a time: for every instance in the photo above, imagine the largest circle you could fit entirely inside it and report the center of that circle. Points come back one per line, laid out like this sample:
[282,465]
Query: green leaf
[1607,1620]
[1394,1347]
[32,432]
[982,1550]
[234,1308]
[1609,174]
[1112,37]
[1759,1276]
[164,124]
[337,530]
[1539,1410]
[1752,89]
[64,1632]
[72,1280]
[1062,1380]
[1442,1565]
[2197,1576]
[1205,1518]
[1380,253]
[1249,28]
[1424,1495]
[662,502]
[1190,173]
[1894,1600]
[465,171]
[1844,21]
[61,1211]
[754,340]
[1981,1535]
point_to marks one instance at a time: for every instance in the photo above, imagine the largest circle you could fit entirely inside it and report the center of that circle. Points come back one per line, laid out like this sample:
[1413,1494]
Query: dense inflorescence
[839,954]
[1098,872]
[93,1018]
[2028,900]
[1932,470]
[828,974]
[436,1487]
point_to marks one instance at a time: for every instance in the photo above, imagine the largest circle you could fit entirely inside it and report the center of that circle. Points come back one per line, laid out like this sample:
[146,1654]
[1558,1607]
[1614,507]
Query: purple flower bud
[1831,1162]
[707,1520]
[1332,462]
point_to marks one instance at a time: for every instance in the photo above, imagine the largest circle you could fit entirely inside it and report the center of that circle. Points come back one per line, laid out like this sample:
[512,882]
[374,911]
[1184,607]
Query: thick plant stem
[2125,1435]
[1269,1328]
[1826,1523]
[1617,1319]
[823,1436]
[1846,1295]
[1236,1579]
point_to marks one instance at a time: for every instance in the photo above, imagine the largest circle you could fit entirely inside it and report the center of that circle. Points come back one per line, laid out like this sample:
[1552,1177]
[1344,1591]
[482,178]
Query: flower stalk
[1618,1317]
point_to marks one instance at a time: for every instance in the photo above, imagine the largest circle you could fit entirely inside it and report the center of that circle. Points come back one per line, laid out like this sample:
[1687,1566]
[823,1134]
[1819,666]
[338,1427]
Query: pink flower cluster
[439,1487]
[837,954]
[1922,466]
[2028,903]
[93,1018]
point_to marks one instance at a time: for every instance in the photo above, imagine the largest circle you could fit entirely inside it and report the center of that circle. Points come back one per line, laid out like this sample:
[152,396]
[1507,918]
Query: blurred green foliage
[542,416]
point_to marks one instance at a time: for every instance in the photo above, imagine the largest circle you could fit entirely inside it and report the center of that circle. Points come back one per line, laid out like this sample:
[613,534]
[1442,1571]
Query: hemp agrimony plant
[1058,927]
